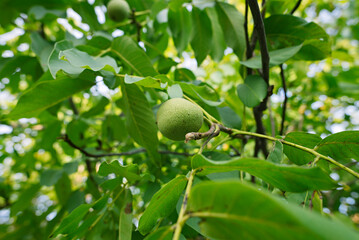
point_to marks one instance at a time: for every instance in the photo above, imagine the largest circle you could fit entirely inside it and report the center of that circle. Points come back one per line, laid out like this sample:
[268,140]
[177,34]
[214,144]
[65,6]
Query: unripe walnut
[118,10]
[177,117]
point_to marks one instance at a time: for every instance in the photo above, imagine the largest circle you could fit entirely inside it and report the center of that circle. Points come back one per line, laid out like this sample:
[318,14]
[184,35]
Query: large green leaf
[233,210]
[218,42]
[125,221]
[56,64]
[201,34]
[159,81]
[252,91]
[130,172]
[83,60]
[48,93]
[140,120]
[276,57]
[342,145]
[294,31]
[162,203]
[26,65]
[133,56]
[276,154]
[296,155]
[71,222]
[41,48]
[232,22]
[180,24]
[87,13]
[285,177]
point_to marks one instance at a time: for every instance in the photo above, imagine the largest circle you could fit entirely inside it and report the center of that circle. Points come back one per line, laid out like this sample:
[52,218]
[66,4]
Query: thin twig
[73,106]
[284,107]
[99,155]
[215,133]
[296,7]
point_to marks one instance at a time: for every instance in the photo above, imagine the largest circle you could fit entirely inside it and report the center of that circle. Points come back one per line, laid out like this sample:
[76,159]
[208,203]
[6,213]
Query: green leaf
[342,145]
[50,177]
[162,233]
[71,222]
[159,81]
[232,22]
[50,135]
[285,177]
[140,120]
[204,93]
[130,172]
[56,64]
[114,129]
[233,210]
[317,202]
[178,20]
[48,93]
[75,131]
[41,48]
[184,75]
[83,60]
[175,91]
[97,109]
[201,34]
[252,91]
[25,199]
[63,189]
[87,13]
[133,56]
[230,118]
[162,203]
[276,57]
[125,221]
[26,65]
[41,13]
[294,31]
[296,155]
[218,43]
[276,154]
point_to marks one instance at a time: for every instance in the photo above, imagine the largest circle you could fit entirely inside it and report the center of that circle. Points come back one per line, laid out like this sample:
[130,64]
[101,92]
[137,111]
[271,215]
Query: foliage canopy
[81,156]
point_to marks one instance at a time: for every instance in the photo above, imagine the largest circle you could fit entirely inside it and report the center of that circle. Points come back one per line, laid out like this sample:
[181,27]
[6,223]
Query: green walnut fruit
[118,10]
[177,117]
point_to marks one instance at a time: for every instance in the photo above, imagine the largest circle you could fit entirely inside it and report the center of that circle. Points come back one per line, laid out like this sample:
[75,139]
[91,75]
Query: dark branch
[99,155]
[73,106]
[136,24]
[249,51]
[284,108]
[296,6]
[259,27]
[261,35]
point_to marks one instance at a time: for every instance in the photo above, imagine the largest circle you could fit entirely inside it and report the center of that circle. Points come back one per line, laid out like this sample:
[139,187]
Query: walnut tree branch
[260,32]
[296,7]
[99,155]
[199,135]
